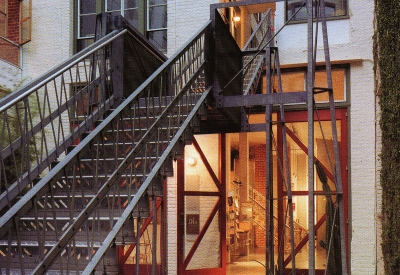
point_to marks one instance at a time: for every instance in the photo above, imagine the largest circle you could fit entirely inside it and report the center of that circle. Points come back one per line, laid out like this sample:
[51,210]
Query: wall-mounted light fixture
[236,17]
[191,161]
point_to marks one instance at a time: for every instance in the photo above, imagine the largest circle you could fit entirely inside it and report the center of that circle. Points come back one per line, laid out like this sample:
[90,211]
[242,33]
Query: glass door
[201,204]
[325,210]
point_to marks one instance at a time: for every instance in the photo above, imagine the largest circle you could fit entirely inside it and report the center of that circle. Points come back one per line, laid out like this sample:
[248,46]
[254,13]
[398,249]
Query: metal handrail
[48,135]
[183,74]
[31,87]
[261,29]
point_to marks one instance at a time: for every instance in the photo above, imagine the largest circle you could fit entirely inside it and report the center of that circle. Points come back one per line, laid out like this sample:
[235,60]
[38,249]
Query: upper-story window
[3,17]
[149,17]
[333,9]
[15,28]
[157,23]
[127,8]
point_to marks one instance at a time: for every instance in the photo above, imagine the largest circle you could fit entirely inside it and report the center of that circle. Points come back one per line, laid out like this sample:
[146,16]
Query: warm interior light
[236,18]
[191,161]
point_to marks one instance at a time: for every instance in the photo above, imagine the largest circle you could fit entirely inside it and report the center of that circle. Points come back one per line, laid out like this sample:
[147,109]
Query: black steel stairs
[95,197]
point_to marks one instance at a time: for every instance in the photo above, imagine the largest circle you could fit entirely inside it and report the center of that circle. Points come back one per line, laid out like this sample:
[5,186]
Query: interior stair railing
[73,216]
[259,202]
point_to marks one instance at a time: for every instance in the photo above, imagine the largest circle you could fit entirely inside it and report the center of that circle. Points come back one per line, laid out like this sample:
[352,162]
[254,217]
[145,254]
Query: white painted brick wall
[51,44]
[172,224]
[363,152]
[185,18]
[10,75]
[363,170]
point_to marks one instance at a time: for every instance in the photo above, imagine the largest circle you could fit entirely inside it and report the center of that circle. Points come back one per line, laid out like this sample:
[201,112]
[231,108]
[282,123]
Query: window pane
[157,17]
[26,21]
[338,81]
[3,24]
[132,16]
[291,82]
[3,18]
[83,43]
[333,8]
[157,2]
[295,82]
[113,5]
[87,6]
[130,4]
[3,6]
[87,25]
[159,39]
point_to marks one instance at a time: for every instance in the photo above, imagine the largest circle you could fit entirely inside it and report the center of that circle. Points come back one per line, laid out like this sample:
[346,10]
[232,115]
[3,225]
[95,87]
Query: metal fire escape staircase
[253,60]
[89,154]
[95,138]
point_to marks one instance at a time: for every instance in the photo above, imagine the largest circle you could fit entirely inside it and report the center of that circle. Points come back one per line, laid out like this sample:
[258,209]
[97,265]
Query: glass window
[127,8]
[338,85]
[130,11]
[26,21]
[295,81]
[3,18]
[113,5]
[87,18]
[333,8]
[157,14]
[157,23]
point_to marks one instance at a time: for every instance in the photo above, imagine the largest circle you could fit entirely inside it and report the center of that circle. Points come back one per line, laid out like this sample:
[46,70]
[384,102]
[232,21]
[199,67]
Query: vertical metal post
[269,209]
[137,243]
[287,168]
[310,108]
[337,170]
[163,238]
[154,240]
[117,69]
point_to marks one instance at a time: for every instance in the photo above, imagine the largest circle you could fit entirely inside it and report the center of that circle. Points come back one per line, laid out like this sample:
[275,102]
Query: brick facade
[259,185]
[13,20]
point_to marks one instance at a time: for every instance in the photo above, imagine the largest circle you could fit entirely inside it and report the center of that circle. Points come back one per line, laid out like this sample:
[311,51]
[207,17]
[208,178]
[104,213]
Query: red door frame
[220,206]
[122,255]
[324,115]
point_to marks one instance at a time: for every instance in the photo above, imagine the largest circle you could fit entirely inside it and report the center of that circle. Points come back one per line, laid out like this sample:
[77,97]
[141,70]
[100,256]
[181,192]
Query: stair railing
[178,84]
[259,37]
[41,120]
[255,61]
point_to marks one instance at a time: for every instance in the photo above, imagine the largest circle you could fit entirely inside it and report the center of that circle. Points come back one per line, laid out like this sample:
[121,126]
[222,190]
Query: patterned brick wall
[13,20]
[259,185]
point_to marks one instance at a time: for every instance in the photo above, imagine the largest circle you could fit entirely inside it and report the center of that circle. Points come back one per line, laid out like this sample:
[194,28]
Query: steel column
[310,108]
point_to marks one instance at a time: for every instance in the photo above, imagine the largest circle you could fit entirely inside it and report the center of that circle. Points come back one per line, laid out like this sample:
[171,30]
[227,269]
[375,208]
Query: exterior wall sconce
[191,161]
[236,17]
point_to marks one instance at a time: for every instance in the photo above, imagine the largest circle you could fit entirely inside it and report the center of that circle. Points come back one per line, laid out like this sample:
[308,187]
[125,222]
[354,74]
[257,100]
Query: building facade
[42,34]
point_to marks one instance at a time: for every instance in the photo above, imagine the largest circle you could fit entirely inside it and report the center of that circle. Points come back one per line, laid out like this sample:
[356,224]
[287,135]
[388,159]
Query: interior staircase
[259,202]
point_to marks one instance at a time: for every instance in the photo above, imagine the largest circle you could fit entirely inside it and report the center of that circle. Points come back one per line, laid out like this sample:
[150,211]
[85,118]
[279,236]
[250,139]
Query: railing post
[117,69]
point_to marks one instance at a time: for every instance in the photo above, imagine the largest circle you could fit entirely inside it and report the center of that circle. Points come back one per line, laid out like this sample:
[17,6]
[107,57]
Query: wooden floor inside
[254,263]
